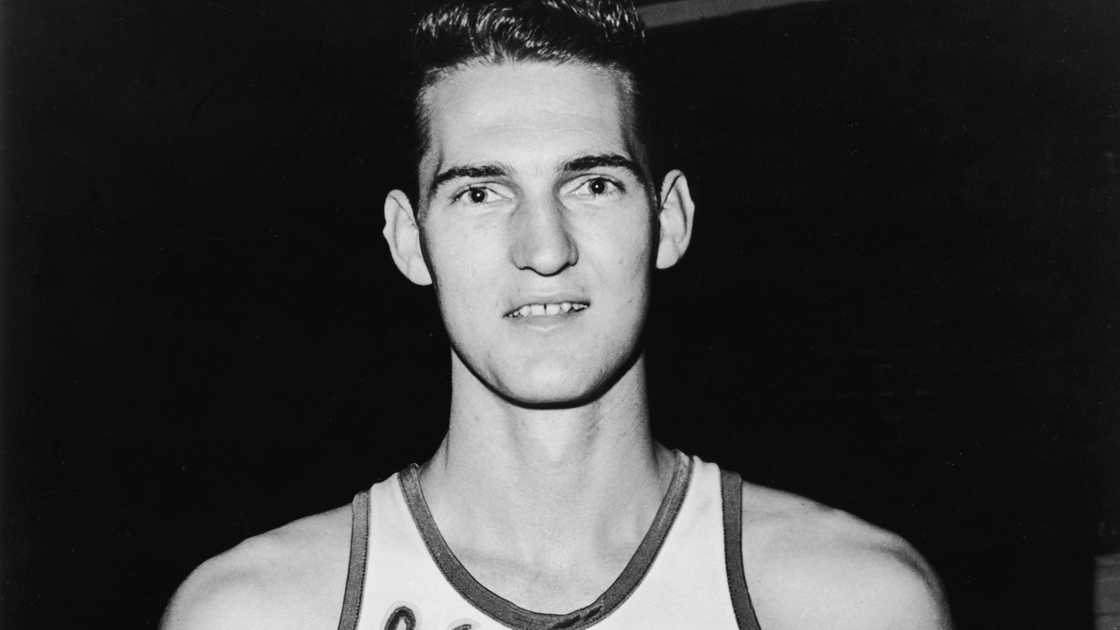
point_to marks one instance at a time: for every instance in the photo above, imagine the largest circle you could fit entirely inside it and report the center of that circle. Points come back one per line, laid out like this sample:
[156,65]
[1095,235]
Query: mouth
[547,309]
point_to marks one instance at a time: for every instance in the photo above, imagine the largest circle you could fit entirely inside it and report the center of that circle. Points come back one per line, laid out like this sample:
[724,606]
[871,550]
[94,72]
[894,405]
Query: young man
[548,503]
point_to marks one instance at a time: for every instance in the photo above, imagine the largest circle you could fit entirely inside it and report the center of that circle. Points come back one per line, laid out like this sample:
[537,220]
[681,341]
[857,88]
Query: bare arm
[292,577]
[815,568]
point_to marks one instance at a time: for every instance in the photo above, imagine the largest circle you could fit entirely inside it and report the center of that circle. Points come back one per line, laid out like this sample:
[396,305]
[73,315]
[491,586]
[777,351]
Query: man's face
[536,227]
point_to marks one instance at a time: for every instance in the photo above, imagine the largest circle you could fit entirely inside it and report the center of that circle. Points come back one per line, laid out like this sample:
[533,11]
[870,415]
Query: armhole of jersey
[731,487]
[356,571]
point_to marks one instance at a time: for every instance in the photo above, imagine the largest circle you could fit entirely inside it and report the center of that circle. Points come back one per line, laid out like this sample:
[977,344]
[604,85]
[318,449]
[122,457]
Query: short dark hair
[604,33]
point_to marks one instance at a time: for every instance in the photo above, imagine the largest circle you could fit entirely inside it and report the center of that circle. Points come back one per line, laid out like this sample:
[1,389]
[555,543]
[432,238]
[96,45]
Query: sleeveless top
[686,573]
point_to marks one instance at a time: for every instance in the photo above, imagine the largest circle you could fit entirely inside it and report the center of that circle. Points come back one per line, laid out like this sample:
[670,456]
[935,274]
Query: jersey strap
[731,495]
[356,572]
[731,487]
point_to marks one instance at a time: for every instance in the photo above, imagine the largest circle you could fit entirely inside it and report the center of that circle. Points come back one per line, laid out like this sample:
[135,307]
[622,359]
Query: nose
[542,238]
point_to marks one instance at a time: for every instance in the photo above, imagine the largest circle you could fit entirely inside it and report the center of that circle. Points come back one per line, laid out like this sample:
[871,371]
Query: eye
[598,187]
[477,195]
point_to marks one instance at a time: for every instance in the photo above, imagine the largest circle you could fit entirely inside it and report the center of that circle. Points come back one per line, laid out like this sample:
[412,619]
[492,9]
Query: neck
[552,487]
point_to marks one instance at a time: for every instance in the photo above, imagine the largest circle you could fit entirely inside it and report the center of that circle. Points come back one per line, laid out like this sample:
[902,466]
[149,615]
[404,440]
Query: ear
[675,218]
[403,236]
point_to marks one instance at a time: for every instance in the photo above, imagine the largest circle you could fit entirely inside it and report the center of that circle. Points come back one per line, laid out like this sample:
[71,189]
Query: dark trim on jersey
[401,613]
[510,614]
[731,488]
[356,572]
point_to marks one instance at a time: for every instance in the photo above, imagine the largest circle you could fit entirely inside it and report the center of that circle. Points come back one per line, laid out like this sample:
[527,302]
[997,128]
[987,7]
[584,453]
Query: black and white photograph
[560,314]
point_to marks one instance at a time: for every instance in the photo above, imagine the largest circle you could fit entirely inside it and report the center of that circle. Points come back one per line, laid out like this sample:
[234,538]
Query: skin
[530,193]
[548,417]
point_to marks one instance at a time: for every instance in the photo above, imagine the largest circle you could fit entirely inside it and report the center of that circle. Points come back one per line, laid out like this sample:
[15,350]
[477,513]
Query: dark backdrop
[900,299]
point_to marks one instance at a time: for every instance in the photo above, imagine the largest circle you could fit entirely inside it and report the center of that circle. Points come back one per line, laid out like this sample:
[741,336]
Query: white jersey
[686,573]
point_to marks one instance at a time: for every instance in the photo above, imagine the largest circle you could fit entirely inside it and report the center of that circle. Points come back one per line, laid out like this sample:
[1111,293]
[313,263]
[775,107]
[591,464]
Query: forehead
[528,114]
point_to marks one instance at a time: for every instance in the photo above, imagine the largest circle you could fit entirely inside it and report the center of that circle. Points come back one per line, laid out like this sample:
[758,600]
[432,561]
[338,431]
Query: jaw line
[588,397]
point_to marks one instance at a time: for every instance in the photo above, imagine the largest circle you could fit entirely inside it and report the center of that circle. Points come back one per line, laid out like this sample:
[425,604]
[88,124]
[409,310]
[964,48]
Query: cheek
[459,254]
[463,269]
[631,251]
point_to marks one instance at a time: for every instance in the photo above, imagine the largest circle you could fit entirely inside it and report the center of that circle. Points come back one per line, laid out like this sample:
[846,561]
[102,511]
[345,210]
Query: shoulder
[290,577]
[811,566]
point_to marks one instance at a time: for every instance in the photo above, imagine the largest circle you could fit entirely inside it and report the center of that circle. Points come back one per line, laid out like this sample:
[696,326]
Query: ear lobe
[675,219]
[403,236]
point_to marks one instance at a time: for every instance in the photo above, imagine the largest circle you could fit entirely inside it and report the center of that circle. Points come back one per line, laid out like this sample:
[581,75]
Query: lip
[540,324]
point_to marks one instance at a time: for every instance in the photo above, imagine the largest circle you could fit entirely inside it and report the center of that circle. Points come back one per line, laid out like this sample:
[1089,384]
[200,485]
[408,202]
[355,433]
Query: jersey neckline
[504,611]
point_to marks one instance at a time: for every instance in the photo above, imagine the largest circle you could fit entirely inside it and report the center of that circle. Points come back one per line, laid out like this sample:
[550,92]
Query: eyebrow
[471,170]
[612,160]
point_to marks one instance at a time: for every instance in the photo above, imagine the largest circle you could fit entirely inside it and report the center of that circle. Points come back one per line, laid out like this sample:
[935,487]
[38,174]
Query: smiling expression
[537,227]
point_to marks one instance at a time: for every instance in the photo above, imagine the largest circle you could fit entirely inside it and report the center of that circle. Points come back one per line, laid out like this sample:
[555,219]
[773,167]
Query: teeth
[537,310]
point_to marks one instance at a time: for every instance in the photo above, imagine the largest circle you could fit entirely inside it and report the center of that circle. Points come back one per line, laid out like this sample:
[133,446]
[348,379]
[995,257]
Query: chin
[556,386]
[548,389]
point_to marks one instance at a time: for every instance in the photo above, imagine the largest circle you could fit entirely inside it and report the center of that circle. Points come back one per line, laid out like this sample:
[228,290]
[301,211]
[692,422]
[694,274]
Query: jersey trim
[731,487]
[356,572]
[510,614]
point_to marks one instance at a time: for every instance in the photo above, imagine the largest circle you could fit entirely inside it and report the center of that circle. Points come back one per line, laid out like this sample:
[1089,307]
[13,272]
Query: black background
[900,299]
